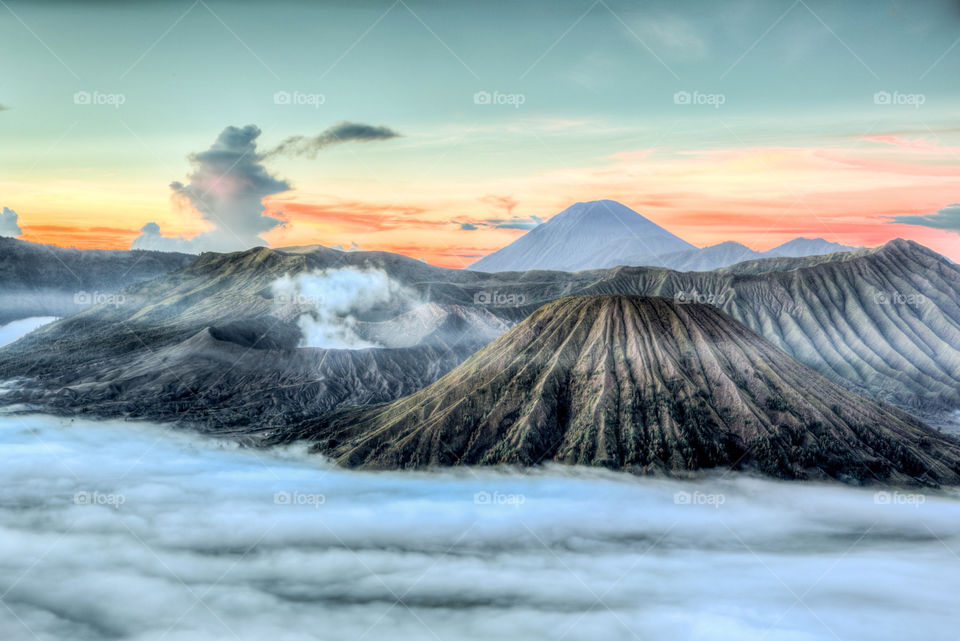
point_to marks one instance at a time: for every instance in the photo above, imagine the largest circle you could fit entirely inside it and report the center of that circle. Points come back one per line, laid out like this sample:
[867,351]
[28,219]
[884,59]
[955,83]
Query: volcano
[588,235]
[643,384]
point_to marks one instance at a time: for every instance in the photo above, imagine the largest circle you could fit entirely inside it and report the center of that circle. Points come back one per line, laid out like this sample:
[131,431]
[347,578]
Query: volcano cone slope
[646,385]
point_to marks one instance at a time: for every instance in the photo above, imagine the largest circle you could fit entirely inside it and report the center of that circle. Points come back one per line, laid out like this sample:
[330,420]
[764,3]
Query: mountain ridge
[845,315]
[578,238]
[47,280]
[643,384]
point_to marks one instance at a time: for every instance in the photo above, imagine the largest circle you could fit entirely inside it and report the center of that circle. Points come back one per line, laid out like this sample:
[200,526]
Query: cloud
[335,135]
[151,238]
[350,216]
[505,202]
[947,218]
[230,181]
[227,188]
[9,226]
[514,222]
[517,223]
[275,541]
[334,298]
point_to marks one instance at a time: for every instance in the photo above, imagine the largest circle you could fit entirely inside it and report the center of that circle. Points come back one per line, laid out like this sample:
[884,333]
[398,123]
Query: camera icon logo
[482,498]
[281,98]
[282,498]
[882,98]
[81,98]
[681,98]
[682,498]
[81,498]
[81,298]
[482,298]
[482,98]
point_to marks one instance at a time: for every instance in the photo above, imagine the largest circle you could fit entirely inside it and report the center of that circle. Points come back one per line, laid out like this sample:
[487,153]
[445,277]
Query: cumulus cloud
[335,297]
[338,134]
[9,223]
[229,182]
[114,530]
[151,238]
[227,188]
[947,218]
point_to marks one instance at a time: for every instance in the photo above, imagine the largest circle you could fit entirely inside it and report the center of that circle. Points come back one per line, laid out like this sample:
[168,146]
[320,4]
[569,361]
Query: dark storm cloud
[338,134]
[947,218]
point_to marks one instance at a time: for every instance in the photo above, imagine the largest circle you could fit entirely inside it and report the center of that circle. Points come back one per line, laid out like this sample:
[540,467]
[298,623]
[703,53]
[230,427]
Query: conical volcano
[642,384]
[588,235]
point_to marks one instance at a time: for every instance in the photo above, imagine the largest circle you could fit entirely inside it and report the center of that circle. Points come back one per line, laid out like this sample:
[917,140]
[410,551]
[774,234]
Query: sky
[444,130]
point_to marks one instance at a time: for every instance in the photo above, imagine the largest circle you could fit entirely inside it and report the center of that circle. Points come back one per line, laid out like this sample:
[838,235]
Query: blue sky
[596,79]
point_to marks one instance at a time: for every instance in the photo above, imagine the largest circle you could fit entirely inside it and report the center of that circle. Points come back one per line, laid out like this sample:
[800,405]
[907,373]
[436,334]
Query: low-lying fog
[123,531]
[15,330]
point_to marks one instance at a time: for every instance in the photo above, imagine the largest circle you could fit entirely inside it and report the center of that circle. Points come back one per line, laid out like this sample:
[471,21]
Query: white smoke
[134,533]
[335,296]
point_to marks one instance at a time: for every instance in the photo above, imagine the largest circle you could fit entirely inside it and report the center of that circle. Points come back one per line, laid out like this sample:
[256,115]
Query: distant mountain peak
[583,236]
[600,234]
[799,247]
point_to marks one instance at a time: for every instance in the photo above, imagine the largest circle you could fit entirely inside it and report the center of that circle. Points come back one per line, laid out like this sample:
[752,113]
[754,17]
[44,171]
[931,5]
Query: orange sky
[760,196]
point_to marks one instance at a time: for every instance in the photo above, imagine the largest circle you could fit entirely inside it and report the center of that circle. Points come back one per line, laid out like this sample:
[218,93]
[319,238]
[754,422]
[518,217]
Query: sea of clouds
[124,531]
[15,330]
